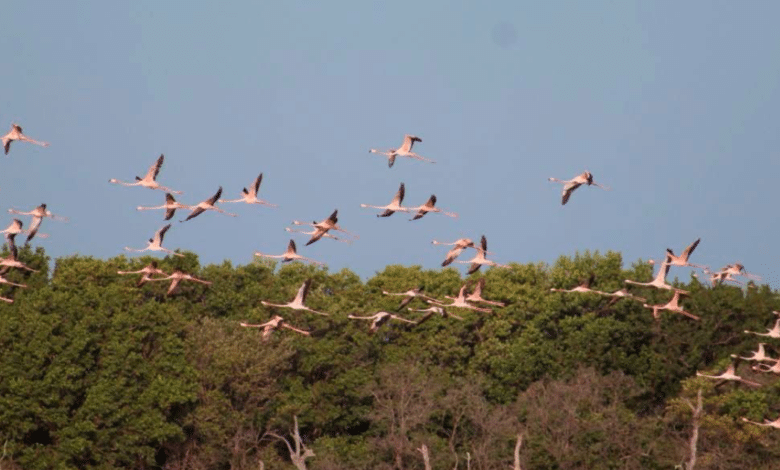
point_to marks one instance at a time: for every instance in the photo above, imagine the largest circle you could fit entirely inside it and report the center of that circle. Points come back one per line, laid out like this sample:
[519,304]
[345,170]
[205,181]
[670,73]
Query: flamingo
[12,261]
[290,255]
[322,228]
[4,299]
[155,243]
[480,259]
[429,207]
[3,280]
[759,355]
[274,324]
[409,295]
[682,260]
[476,296]
[317,233]
[659,281]
[250,196]
[460,245]
[41,212]
[570,185]
[583,287]
[379,319]
[772,424]
[208,205]
[176,277]
[37,218]
[170,206]
[774,368]
[16,134]
[623,293]
[729,375]
[673,306]
[405,150]
[460,302]
[395,204]
[147,271]
[297,302]
[773,333]
[738,269]
[149,180]
[16,227]
[327,224]
[434,310]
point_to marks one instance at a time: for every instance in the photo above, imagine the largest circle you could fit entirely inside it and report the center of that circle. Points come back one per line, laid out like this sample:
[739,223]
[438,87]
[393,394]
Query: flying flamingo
[176,277]
[476,296]
[297,302]
[147,271]
[6,281]
[290,255]
[773,333]
[12,261]
[148,181]
[395,204]
[659,281]
[155,243]
[4,299]
[379,319]
[731,375]
[409,295]
[460,245]
[570,185]
[583,287]
[759,355]
[170,206]
[16,227]
[250,196]
[682,260]
[327,224]
[771,424]
[208,205]
[274,324]
[429,207]
[738,269]
[16,134]
[37,217]
[434,310]
[622,294]
[480,259]
[774,368]
[317,233]
[322,228]
[673,306]
[460,302]
[405,150]
[41,212]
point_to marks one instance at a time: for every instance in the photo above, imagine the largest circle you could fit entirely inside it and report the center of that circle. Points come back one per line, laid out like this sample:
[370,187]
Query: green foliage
[96,372]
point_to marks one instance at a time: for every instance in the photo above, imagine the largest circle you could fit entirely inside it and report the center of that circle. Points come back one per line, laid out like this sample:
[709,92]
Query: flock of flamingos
[466,298]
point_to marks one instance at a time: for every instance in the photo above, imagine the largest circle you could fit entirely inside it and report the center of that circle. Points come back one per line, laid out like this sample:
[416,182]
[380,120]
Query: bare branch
[517,452]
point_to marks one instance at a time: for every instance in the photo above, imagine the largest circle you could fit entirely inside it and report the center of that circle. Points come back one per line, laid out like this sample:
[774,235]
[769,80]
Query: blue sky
[672,104]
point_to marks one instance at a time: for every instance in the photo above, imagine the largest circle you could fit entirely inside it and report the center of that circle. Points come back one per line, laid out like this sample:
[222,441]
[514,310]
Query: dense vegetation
[98,374]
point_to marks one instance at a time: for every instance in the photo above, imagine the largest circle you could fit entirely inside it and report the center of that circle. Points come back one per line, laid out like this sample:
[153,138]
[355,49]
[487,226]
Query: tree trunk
[696,421]
[517,452]
[426,459]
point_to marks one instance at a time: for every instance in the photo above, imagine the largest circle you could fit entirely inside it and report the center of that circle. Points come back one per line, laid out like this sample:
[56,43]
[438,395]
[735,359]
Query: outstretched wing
[215,197]
[257,183]
[158,237]
[690,249]
[195,212]
[399,196]
[154,170]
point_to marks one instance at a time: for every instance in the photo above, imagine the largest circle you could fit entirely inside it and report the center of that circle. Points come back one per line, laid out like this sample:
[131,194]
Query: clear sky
[672,104]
